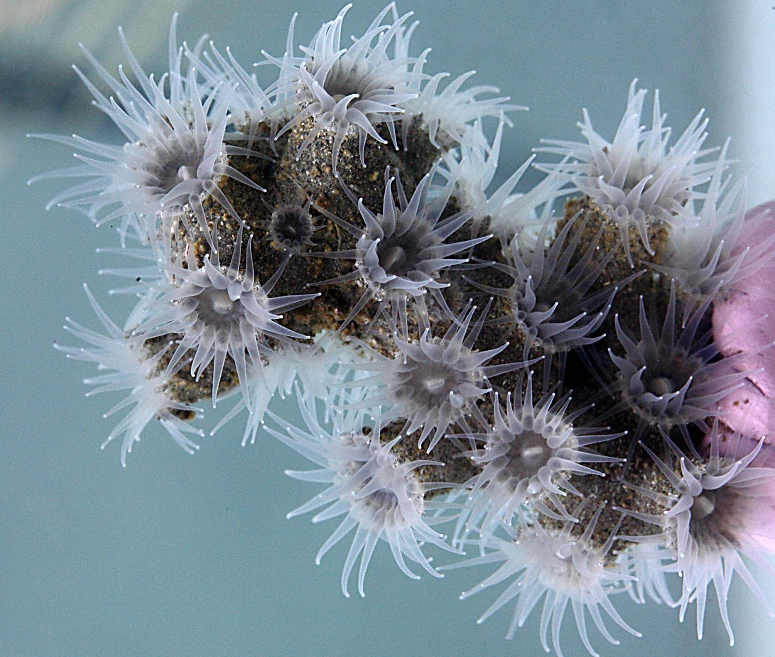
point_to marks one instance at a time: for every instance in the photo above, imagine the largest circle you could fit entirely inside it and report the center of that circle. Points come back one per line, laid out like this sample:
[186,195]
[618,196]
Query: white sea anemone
[132,367]
[449,116]
[291,226]
[175,155]
[549,301]
[473,165]
[637,179]
[524,214]
[524,457]
[668,380]
[359,86]
[435,382]
[317,372]
[379,495]
[646,562]
[147,270]
[401,251]
[548,297]
[247,103]
[222,311]
[721,510]
[559,567]
[721,246]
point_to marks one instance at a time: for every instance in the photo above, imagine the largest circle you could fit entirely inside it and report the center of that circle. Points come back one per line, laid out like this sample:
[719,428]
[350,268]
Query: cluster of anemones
[455,351]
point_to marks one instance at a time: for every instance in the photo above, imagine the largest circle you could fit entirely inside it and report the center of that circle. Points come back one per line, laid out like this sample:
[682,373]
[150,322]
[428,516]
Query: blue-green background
[192,555]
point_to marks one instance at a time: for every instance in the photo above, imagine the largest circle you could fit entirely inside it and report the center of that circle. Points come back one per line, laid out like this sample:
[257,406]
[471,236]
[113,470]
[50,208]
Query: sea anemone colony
[535,383]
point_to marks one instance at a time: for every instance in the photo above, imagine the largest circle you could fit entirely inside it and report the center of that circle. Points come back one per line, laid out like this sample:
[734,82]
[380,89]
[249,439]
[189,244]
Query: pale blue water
[192,555]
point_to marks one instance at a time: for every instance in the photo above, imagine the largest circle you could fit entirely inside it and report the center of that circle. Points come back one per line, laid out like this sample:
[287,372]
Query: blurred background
[192,555]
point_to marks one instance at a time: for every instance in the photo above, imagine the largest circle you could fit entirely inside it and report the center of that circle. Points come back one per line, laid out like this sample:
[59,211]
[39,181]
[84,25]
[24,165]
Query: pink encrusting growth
[577,374]
[744,322]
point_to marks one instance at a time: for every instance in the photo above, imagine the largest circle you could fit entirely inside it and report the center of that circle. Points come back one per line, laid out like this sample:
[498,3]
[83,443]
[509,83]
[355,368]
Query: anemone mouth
[672,368]
[561,573]
[636,172]
[526,455]
[347,78]
[648,177]
[383,506]
[716,518]
[430,386]
[222,312]
[661,391]
[703,505]
[217,309]
[396,259]
[397,264]
[382,502]
[171,165]
[404,254]
[175,155]
[335,91]
[625,203]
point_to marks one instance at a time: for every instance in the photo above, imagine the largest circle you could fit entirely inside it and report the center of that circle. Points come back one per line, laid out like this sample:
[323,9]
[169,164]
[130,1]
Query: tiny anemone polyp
[291,226]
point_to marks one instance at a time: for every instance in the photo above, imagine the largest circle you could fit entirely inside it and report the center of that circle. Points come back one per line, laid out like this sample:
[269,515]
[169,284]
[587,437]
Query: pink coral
[744,324]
